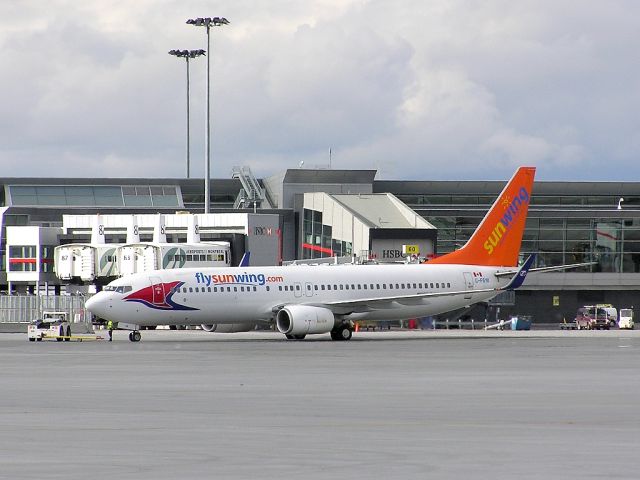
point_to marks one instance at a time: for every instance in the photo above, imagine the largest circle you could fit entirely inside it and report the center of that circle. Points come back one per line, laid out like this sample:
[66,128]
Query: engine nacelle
[228,327]
[304,319]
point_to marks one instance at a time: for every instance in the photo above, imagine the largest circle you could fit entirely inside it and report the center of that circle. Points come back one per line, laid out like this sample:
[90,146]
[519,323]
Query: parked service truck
[596,317]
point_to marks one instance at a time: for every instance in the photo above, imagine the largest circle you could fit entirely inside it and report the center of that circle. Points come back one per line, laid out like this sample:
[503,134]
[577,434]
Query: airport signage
[410,250]
[263,231]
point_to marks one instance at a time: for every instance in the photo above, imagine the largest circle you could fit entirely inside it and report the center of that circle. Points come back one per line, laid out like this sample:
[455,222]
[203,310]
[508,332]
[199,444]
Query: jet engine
[228,327]
[304,319]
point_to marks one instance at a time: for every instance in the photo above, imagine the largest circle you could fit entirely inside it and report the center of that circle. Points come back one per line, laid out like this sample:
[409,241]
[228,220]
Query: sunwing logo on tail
[512,212]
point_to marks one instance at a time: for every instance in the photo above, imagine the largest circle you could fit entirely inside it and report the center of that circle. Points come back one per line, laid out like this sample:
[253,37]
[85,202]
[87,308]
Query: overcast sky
[417,89]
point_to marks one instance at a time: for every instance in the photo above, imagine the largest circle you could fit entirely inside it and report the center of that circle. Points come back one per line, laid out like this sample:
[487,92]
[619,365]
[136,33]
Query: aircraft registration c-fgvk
[304,300]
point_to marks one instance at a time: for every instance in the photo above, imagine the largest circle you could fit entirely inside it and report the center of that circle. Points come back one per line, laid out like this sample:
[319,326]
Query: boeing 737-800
[303,300]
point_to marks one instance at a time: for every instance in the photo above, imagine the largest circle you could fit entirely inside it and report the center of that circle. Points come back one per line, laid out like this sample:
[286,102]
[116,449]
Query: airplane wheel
[135,336]
[32,339]
[342,333]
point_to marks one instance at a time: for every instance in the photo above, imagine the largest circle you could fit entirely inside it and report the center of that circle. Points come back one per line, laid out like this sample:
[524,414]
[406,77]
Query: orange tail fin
[496,241]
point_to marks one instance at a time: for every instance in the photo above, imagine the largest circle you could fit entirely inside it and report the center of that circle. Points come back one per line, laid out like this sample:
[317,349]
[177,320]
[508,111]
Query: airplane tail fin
[496,241]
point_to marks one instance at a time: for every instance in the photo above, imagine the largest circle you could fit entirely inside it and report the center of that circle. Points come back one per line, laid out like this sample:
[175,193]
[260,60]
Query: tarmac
[400,404]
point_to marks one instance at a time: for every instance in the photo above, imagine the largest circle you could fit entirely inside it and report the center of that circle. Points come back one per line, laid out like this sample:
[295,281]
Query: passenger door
[157,289]
[468,281]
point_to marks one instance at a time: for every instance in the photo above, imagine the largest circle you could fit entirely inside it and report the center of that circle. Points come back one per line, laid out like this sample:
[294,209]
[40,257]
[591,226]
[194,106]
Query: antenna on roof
[329,158]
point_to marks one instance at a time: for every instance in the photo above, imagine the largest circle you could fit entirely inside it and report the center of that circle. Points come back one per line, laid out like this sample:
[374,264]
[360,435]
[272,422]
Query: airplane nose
[96,305]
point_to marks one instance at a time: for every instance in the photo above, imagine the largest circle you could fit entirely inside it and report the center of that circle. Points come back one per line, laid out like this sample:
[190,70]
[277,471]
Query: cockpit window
[118,289]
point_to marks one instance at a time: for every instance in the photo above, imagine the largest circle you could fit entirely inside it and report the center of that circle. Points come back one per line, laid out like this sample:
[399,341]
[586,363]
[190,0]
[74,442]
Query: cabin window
[255,289]
[280,287]
[308,287]
[431,285]
[189,258]
[235,289]
[397,286]
[384,286]
[437,285]
[242,289]
[341,287]
[228,289]
[359,287]
[315,287]
[328,287]
[215,289]
[209,289]
[190,290]
[420,285]
[298,288]
[448,285]
[322,287]
[268,289]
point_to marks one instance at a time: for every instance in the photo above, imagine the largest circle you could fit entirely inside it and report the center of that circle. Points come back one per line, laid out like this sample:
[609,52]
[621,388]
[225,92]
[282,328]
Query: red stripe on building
[317,248]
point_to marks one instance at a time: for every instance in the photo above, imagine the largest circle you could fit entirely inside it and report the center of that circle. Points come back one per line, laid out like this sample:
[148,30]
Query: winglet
[244,261]
[518,278]
[496,241]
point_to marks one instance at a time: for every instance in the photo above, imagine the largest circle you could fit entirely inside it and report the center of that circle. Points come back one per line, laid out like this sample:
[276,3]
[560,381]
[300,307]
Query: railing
[24,308]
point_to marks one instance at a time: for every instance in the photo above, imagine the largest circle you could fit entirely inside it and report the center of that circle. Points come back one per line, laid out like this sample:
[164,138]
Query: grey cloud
[417,89]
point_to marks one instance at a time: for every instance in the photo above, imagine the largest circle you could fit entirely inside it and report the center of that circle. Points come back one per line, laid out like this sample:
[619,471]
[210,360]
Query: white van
[626,319]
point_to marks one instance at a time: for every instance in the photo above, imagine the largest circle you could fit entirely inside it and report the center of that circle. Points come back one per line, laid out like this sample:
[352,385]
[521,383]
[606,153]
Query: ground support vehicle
[625,322]
[55,325]
[593,318]
[564,325]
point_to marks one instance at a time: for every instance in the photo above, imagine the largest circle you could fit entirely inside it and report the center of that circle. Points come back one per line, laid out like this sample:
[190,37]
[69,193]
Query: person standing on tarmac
[110,328]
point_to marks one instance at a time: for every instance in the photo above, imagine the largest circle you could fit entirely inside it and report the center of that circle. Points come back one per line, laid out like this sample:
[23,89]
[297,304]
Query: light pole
[187,54]
[208,23]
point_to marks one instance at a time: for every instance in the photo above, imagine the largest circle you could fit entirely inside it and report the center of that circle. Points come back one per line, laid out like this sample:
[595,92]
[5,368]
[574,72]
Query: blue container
[521,323]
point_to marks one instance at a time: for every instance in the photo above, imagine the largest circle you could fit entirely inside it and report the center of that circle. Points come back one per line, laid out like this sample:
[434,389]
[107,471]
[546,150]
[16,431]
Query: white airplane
[305,300]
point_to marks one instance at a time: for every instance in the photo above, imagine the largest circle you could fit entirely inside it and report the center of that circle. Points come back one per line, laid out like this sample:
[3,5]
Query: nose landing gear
[135,336]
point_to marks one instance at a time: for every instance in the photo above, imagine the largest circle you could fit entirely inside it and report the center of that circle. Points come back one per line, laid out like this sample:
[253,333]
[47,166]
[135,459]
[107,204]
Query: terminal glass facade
[88,196]
[318,241]
[559,230]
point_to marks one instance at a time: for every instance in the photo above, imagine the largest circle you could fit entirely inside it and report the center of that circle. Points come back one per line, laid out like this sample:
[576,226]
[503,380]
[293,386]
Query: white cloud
[440,89]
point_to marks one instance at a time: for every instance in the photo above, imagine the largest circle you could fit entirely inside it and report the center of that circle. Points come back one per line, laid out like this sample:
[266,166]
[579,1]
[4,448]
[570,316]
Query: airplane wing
[344,307]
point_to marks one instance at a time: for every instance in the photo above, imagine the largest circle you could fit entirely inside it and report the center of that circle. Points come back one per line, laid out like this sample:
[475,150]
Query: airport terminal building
[307,215]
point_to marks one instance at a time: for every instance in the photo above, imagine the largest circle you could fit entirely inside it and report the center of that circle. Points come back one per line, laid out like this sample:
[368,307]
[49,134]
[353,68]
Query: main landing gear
[135,336]
[342,332]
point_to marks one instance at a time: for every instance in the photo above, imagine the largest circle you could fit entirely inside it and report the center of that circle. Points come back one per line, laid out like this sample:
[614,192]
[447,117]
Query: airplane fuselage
[254,294]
